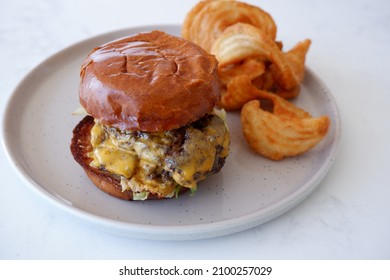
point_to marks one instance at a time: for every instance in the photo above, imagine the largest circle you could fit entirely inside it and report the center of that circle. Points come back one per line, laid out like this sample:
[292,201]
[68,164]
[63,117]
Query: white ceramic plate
[249,190]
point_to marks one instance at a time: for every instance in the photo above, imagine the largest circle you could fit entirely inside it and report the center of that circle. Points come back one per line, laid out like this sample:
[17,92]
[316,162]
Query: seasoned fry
[278,135]
[205,22]
[239,91]
[251,67]
[241,41]
[294,63]
[257,75]
[284,108]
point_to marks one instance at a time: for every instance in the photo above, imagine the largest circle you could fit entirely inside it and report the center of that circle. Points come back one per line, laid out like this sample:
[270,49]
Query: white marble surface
[347,217]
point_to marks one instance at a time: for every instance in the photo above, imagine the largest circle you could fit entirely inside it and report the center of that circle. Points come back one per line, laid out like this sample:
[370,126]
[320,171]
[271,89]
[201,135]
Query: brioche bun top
[150,82]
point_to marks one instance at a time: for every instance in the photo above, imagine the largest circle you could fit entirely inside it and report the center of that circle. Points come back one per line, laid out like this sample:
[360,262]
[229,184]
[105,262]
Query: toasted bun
[149,82]
[107,182]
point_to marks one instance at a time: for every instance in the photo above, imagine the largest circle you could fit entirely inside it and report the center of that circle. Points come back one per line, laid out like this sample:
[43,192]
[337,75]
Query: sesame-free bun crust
[150,82]
[80,147]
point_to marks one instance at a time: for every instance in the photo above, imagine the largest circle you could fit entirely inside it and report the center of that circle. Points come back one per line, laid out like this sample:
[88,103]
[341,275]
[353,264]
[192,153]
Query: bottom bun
[107,182]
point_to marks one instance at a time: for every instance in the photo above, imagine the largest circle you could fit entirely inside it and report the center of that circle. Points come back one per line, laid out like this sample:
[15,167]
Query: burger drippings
[161,162]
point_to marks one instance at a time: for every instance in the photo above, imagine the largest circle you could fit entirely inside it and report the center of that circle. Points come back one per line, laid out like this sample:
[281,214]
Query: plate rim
[169,232]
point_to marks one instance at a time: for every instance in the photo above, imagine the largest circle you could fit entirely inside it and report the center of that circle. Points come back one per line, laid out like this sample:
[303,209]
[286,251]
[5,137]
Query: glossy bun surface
[150,82]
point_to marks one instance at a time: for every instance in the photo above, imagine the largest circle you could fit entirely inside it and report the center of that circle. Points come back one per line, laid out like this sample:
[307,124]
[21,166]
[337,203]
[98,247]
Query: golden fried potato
[257,76]
[279,134]
[287,94]
[205,22]
[251,67]
[239,91]
[265,82]
[294,61]
[241,41]
[282,107]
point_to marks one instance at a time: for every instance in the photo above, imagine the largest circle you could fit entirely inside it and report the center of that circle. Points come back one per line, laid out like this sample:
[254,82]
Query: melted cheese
[142,160]
[106,153]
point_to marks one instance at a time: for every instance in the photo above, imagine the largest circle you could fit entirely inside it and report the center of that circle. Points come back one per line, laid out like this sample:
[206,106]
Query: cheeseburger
[151,130]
